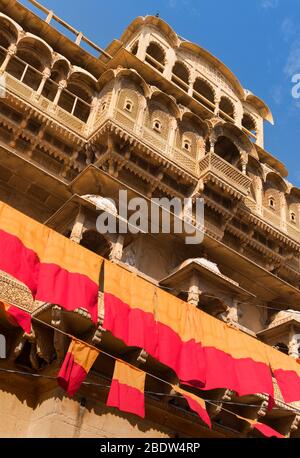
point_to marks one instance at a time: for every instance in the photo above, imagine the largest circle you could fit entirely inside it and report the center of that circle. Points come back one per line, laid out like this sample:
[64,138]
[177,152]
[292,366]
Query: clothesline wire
[52,377]
[213,403]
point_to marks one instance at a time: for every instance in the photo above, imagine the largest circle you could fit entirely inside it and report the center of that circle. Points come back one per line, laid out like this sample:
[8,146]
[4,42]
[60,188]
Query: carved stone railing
[14,292]
[213,167]
[28,95]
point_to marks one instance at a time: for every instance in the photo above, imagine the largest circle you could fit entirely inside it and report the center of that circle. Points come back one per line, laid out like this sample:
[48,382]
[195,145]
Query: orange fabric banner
[79,359]
[203,351]
[264,429]
[54,268]
[17,316]
[127,389]
[197,404]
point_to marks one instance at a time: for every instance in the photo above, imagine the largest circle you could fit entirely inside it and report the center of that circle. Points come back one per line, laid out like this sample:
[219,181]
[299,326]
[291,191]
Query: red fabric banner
[195,403]
[18,317]
[127,389]
[77,364]
[54,268]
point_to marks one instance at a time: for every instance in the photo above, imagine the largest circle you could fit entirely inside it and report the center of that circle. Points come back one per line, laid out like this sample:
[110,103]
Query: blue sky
[259,40]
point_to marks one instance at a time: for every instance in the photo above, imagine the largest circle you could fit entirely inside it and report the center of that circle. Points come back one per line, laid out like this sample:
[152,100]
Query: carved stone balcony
[39,102]
[212,168]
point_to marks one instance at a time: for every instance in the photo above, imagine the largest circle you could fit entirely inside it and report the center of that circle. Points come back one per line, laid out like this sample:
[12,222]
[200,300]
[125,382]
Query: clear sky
[259,40]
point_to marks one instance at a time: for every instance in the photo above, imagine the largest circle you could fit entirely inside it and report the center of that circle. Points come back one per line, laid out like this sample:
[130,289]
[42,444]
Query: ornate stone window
[103,106]
[272,202]
[186,144]
[157,125]
[128,105]
[293,217]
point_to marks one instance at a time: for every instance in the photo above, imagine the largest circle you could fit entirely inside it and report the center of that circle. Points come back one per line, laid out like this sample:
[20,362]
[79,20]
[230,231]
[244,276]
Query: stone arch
[293,203]
[191,131]
[274,188]
[255,172]
[9,31]
[280,346]
[181,75]
[77,97]
[237,136]
[32,57]
[227,150]
[110,75]
[213,305]
[156,56]
[249,123]
[59,73]
[226,108]
[96,242]
[131,96]
[161,109]
[202,88]
[134,48]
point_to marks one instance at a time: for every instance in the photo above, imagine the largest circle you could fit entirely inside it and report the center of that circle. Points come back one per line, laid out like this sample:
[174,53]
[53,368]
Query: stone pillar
[212,141]
[191,82]
[117,251]
[293,344]
[194,290]
[140,118]
[144,40]
[61,85]
[258,190]
[76,234]
[244,162]
[171,138]
[217,101]
[10,53]
[46,75]
[170,61]
[283,212]
[232,312]
[114,98]
[92,115]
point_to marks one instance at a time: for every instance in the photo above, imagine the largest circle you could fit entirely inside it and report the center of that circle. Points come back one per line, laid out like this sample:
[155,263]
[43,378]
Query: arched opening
[155,56]
[293,202]
[31,58]
[282,347]
[96,242]
[180,76]
[8,36]
[135,48]
[250,126]
[274,188]
[190,136]
[204,93]
[76,98]
[226,109]
[227,150]
[59,73]
[213,305]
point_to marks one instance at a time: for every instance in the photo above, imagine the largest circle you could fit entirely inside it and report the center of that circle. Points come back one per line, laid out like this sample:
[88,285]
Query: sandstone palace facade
[158,116]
